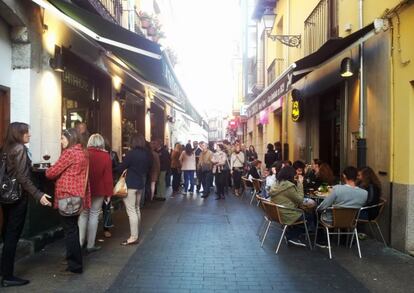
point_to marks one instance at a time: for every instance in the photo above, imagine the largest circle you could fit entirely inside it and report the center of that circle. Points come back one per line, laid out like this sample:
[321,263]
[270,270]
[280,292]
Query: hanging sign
[296,110]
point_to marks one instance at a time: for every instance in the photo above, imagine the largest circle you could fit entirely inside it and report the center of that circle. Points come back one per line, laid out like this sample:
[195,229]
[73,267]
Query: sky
[203,34]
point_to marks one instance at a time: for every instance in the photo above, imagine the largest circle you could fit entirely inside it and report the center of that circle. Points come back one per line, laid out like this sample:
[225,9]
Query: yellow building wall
[403,100]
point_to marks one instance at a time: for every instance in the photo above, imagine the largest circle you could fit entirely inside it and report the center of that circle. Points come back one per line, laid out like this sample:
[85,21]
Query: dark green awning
[149,68]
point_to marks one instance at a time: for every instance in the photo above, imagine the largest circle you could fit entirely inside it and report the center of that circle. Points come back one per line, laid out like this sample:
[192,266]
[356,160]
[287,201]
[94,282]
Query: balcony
[109,9]
[321,25]
[256,84]
[275,69]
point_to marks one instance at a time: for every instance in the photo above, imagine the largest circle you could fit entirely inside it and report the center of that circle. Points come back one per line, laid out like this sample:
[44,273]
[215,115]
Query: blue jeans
[188,179]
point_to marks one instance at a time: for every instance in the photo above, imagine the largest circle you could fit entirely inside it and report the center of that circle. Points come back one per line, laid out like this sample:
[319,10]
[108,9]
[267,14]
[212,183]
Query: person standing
[155,171]
[197,152]
[70,173]
[165,165]
[176,168]
[270,156]
[137,162]
[82,129]
[251,154]
[219,159]
[101,184]
[18,166]
[236,166]
[188,165]
[205,166]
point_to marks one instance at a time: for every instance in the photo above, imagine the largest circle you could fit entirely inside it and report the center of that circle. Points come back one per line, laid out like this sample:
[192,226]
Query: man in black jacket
[165,165]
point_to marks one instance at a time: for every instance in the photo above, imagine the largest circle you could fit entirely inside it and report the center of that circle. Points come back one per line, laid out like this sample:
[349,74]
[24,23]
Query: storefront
[86,95]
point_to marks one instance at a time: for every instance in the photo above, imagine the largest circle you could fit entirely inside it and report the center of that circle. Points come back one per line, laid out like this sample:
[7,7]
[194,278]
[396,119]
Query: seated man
[346,196]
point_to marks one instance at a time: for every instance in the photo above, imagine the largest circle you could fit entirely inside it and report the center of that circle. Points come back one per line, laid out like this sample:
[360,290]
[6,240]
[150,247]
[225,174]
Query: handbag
[72,206]
[10,191]
[120,188]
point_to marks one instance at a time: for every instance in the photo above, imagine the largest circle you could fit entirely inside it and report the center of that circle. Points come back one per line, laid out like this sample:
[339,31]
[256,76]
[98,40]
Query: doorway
[330,129]
[4,112]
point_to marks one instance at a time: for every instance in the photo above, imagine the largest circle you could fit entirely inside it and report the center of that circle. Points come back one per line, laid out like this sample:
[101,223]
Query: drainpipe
[362,141]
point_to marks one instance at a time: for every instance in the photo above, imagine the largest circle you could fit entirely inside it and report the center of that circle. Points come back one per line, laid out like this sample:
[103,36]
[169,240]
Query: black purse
[10,191]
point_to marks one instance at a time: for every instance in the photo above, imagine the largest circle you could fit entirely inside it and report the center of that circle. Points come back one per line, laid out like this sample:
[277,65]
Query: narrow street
[195,245]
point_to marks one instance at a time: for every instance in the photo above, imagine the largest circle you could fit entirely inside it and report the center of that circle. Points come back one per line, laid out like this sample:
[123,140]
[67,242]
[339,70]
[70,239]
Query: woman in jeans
[100,180]
[188,165]
[137,162]
[18,166]
[70,173]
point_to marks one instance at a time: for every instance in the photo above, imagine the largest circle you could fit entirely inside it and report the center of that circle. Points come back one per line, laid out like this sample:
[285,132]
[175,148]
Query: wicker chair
[273,215]
[248,186]
[342,218]
[257,187]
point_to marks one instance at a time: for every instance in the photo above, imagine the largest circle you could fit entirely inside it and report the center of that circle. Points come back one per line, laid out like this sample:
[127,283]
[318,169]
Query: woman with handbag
[100,180]
[17,166]
[219,160]
[71,194]
[137,162]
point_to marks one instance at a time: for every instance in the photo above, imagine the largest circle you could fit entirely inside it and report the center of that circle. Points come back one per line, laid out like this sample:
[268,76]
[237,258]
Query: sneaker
[297,242]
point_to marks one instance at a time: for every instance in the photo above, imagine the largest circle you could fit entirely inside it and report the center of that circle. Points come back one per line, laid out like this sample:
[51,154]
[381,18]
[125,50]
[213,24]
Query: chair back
[257,185]
[344,218]
[246,182]
[379,207]
[271,211]
[280,209]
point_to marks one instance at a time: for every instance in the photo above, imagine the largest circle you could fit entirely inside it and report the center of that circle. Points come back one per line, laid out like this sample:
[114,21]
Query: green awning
[143,56]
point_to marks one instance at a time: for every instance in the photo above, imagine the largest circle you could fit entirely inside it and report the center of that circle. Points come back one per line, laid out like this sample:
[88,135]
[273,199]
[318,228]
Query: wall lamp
[347,67]
[57,61]
[269,18]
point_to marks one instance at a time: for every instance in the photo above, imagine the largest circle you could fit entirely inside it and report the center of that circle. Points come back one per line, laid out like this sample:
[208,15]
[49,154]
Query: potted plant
[145,19]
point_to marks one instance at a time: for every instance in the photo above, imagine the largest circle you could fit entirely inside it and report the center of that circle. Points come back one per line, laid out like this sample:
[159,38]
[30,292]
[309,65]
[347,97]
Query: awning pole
[361,143]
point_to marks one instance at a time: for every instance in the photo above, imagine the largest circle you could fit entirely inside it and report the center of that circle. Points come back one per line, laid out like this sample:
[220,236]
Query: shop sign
[263,117]
[296,110]
[279,88]
[76,81]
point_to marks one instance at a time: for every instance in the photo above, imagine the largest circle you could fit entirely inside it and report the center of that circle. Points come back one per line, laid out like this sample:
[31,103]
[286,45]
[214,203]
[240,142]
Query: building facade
[337,83]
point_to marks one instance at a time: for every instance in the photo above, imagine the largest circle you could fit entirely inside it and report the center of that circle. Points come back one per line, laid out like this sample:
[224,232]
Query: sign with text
[271,94]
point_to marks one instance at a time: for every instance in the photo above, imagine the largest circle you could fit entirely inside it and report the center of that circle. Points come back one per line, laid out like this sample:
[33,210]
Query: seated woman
[369,181]
[290,195]
[324,176]
[270,178]
[254,171]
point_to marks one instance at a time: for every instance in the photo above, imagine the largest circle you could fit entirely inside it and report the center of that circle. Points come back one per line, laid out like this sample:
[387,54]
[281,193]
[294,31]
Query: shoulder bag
[72,206]
[10,191]
[120,188]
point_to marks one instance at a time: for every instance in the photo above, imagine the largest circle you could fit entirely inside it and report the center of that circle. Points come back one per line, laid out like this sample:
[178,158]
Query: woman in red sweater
[70,175]
[100,180]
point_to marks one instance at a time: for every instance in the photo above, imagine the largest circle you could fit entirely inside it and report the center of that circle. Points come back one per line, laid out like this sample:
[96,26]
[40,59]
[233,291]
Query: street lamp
[269,21]
[347,67]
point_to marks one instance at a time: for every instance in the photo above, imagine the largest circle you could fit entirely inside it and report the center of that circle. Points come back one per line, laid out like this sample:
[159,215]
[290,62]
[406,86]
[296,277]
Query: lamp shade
[347,67]
[269,19]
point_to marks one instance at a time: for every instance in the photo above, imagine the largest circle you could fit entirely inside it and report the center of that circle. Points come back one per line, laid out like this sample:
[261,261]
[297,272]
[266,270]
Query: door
[4,113]
[4,122]
[330,130]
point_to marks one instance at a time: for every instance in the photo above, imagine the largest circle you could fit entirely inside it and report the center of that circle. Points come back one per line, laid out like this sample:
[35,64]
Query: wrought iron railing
[114,9]
[321,25]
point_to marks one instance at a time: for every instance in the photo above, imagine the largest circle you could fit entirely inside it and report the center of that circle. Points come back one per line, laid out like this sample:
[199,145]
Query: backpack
[9,187]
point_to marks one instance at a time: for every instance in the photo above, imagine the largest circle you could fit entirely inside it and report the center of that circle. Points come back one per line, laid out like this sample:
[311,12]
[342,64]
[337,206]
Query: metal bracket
[288,40]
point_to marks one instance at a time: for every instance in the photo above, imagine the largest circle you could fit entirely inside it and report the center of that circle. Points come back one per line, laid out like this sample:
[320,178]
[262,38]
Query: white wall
[5,55]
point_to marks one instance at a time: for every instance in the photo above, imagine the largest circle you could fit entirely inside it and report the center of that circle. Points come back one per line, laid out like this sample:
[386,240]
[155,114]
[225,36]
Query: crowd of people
[87,170]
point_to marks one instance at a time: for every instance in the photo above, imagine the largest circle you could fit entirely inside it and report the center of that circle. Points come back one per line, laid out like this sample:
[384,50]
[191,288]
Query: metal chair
[274,215]
[248,186]
[265,219]
[380,207]
[257,187]
[342,218]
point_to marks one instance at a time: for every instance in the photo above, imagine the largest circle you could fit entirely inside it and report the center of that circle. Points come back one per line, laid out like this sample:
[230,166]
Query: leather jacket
[18,166]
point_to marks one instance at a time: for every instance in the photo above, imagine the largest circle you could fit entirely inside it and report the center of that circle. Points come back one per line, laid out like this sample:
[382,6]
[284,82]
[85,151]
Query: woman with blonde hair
[176,168]
[100,180]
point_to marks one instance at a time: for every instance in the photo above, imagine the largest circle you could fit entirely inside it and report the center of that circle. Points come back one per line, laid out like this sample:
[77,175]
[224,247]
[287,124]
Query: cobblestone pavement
[211,246]
[195,245]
